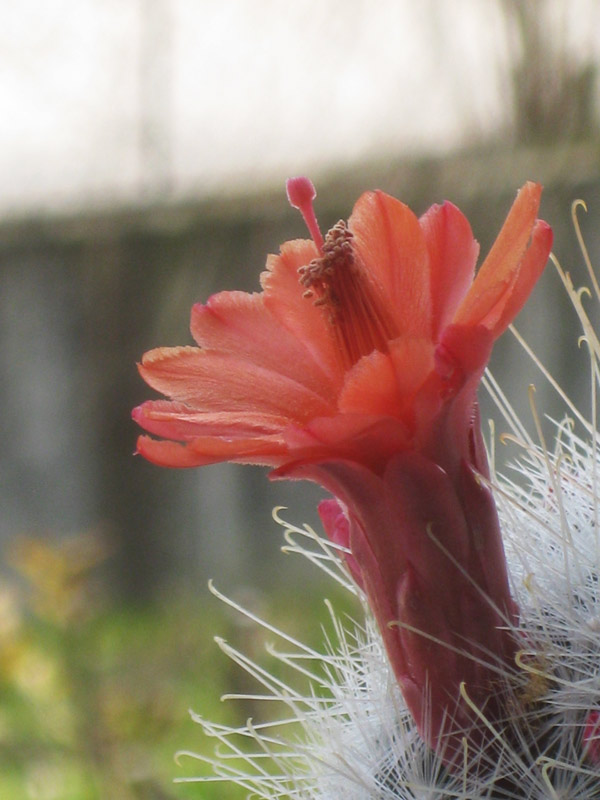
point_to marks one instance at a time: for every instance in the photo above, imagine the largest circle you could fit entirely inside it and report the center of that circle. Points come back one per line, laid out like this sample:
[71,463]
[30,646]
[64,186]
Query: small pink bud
[591,736]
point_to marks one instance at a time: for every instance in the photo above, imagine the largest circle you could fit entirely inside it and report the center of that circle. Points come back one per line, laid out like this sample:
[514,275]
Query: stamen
[337,282]
[322,275]
[301,192]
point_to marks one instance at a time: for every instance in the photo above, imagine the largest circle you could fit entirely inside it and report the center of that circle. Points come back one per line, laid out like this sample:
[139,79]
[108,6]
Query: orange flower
[354,360]
[357,366]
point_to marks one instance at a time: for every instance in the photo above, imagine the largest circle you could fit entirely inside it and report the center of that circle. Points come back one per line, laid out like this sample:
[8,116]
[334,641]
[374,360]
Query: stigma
[300,193]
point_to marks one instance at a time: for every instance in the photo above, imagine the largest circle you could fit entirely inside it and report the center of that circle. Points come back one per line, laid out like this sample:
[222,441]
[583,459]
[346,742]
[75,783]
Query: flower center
[338,283]
[324,276]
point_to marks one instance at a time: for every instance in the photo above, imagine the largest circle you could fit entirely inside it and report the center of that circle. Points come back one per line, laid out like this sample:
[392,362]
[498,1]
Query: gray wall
[82,297]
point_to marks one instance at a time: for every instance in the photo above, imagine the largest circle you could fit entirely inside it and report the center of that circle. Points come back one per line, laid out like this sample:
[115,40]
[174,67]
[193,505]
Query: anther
[337,283]
[336,264]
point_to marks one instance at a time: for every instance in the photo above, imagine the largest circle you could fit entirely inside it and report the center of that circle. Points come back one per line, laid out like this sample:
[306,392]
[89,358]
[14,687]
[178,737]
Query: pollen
[337,282]
[319,277]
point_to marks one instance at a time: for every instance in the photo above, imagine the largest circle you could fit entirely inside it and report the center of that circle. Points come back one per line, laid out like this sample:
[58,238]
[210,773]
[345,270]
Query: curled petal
[527,276]
[511,267]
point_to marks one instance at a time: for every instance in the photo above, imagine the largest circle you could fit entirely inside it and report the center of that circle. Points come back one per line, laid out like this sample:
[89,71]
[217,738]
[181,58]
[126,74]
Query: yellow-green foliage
[94,697]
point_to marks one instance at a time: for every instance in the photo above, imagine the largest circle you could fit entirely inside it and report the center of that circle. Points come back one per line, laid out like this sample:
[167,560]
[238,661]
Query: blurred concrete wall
[83,297]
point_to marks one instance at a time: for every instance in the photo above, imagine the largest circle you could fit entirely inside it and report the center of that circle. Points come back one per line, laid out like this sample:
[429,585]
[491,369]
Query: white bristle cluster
[349,734]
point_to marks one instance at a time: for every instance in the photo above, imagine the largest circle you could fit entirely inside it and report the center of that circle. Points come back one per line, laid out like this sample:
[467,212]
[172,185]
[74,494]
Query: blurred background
[144,146]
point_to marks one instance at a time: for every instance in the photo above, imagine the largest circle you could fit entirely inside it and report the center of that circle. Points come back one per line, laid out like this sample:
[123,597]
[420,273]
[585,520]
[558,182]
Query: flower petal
[452,257]
[296,313]
[361,438]
[390,243]
[168,454]
[466,348]
[266,450]
[382,383]
[178,421]
[413,361]
[210,450]
[500,274]
[214,382]
[239,324]
[526,277]
[370,387]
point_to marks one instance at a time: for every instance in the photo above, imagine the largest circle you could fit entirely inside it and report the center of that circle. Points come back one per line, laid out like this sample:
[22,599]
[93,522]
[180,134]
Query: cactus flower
[357,367]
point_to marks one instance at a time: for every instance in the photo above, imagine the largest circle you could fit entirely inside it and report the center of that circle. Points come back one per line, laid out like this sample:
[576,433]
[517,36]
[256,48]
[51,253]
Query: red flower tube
[357,367]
